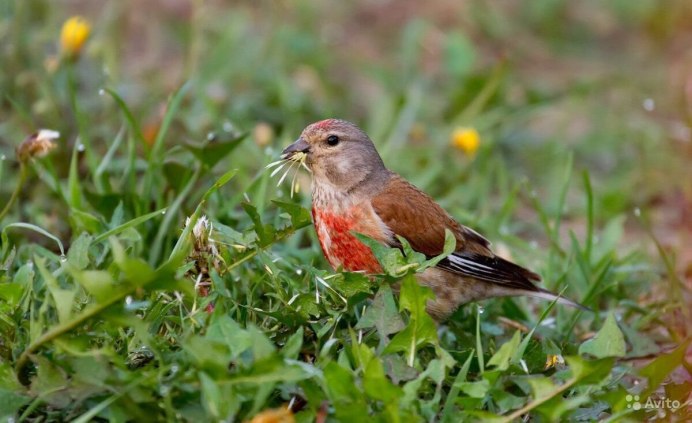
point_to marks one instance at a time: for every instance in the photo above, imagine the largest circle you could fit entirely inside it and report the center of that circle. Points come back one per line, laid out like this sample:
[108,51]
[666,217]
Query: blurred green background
[606,81]
[584,112]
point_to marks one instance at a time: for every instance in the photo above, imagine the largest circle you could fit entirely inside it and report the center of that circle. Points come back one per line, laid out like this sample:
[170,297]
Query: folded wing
[413,215]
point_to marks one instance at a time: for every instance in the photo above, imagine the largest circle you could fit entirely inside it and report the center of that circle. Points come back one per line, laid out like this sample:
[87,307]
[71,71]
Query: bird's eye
[332,140]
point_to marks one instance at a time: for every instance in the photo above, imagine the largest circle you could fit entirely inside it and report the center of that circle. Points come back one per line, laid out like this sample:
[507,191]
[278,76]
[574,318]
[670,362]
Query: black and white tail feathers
[498,271]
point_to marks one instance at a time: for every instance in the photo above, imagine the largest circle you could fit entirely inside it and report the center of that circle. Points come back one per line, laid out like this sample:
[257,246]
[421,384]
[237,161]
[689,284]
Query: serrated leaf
[350,284]
[300,216]
[660,367]
[421,329]
[391,259]
[382,314]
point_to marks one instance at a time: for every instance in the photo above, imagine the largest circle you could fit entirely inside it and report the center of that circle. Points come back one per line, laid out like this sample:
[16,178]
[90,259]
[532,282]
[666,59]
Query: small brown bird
[353,192]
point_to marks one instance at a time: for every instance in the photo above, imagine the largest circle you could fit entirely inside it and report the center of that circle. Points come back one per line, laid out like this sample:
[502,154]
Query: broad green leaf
[207,354]
[589,371]
[300,216]
[346,397]
[211,396]
[10,403]
[475,389]
[265,232]
[306,306]
[421,329]
[293,345]
[262,347]
[502,357]
[392,260]
[25,276]
[272,369]
[210,153]
[435,370]
[660,367]
[98,283]
[86,221]
[63,298]
[460,54]
[382,314]
[78,254]
[224,330]
[50,383]
[555,408]
[350,284]
[11,293]
[376,383]
[608,342]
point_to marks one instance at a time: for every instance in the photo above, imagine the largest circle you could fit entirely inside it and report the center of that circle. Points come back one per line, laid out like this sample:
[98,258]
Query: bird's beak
[300,146]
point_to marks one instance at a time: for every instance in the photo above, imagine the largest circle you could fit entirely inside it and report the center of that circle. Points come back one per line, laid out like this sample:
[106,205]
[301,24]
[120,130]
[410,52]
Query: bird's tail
[551,296]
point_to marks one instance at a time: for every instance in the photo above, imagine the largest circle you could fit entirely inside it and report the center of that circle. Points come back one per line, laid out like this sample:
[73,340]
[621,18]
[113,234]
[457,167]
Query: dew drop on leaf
[63,258]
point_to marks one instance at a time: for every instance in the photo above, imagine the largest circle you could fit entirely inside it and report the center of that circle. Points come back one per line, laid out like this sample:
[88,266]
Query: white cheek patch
[344,167]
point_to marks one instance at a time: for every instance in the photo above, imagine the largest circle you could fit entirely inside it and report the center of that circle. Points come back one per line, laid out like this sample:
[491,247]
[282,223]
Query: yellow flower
[466,140]
[276,415]
[73,35]
[552,360]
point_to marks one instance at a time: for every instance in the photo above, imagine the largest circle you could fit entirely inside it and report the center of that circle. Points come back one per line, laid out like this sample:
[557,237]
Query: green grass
[103,312]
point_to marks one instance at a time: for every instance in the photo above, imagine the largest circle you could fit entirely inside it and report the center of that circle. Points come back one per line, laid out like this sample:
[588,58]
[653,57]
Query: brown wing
[413,215]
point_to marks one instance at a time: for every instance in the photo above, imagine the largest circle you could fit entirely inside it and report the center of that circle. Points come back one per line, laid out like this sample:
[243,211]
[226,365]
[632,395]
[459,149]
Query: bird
[353,192]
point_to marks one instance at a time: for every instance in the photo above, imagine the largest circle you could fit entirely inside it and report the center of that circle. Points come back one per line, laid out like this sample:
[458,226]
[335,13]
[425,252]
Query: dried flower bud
[263,133]
[37,145]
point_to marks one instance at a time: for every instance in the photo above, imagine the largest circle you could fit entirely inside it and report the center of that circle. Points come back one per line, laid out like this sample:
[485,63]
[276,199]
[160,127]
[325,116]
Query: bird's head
[338,153]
